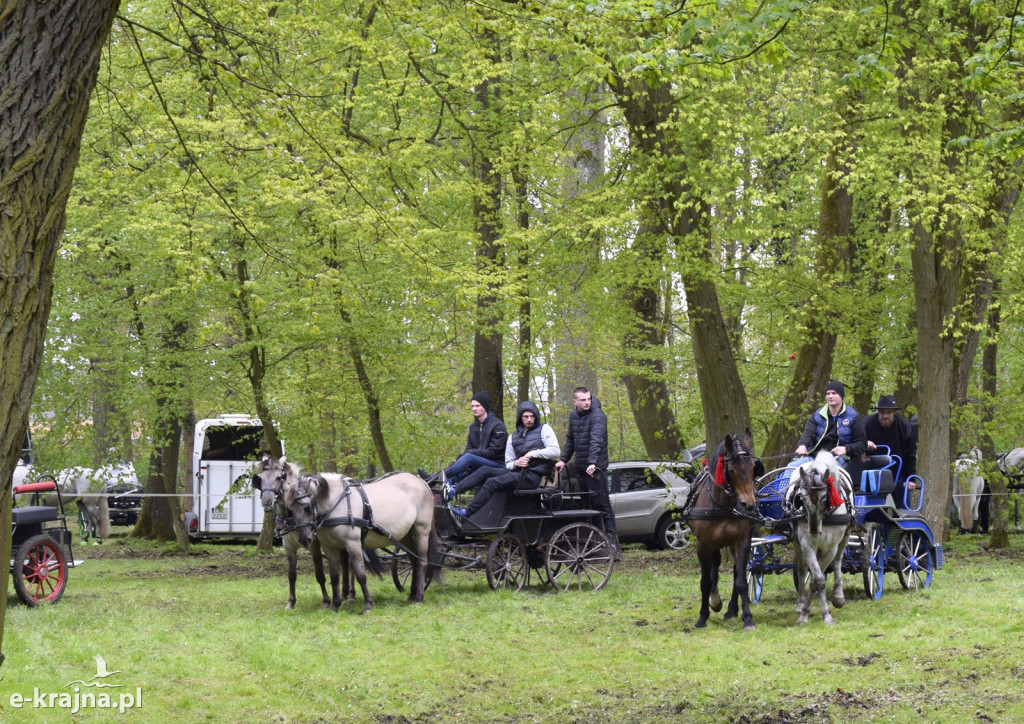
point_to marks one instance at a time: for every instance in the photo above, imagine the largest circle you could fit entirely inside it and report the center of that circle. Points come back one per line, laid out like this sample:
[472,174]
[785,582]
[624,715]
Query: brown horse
[722,511]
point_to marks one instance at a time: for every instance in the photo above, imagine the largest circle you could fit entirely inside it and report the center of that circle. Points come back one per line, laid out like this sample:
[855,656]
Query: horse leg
[355,559]
[803,599]
[334,565]
[419,567]
[714,600]
[819,588]
[741,553]
[707,560]
[293,557]
[318,571]
[838,596]
[734,597]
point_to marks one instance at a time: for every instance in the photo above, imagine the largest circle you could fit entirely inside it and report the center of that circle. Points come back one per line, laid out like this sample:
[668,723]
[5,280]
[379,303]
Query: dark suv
[646,496]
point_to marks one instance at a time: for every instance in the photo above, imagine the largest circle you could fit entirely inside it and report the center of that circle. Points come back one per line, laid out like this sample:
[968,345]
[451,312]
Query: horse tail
[435,555]
[372,561]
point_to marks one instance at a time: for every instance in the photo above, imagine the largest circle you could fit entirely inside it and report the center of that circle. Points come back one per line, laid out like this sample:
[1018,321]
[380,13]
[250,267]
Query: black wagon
[546,530]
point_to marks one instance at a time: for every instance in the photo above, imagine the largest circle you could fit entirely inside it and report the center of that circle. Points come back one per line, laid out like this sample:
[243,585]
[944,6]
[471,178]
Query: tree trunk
[813,368]
[49,56]
[487,338]
[524,351]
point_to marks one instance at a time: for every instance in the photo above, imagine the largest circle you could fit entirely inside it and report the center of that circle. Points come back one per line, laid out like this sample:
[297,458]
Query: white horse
[968,486]
[87,488]
[824,496]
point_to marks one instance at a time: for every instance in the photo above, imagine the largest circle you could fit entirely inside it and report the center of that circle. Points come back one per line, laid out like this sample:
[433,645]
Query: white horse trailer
[226,450]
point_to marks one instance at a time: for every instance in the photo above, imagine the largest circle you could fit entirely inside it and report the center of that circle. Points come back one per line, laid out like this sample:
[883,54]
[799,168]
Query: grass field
[204,637]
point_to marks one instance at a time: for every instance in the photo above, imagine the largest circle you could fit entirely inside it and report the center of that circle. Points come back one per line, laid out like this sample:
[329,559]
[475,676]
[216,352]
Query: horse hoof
[701,623]
[838,602]
[729,616]
[801,621]
[749,627]
[829,621]
[715,602]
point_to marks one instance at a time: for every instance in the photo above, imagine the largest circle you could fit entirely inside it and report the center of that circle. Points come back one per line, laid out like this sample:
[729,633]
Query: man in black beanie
[838,428]
[485,445]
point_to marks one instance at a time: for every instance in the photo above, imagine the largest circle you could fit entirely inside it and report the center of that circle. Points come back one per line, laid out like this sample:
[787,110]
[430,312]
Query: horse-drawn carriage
[885,535]
[546,529]
[41,545]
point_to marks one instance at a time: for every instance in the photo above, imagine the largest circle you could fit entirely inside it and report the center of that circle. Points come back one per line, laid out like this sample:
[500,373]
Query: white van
[226,449]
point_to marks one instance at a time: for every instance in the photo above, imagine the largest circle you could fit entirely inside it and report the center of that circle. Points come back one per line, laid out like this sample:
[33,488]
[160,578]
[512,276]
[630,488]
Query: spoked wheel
[913,561]
[40,571]
[755,583]
[579,556]
[86,528]
[401,571]
[873,562]
[507,566]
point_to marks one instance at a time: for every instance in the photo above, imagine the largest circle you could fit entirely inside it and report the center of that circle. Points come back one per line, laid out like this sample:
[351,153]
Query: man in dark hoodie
[529,456]
[485,443]
[588,439]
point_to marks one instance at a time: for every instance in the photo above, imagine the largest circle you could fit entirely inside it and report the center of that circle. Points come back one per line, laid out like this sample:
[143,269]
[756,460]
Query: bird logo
[101,673]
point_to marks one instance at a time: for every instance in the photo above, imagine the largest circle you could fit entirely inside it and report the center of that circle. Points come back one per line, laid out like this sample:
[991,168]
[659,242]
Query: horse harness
[718,511]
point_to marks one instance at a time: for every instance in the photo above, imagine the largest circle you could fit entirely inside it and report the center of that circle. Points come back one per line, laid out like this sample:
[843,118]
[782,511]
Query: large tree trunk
[813,367]
[488,338]
[49,55]
[573,345]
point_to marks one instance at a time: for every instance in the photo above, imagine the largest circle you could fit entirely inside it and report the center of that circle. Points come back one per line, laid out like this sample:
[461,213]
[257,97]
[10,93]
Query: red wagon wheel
[40,571]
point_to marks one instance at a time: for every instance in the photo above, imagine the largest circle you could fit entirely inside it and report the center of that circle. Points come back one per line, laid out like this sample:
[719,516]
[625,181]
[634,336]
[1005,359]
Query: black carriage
[41,545]
[887,536]
[545,529]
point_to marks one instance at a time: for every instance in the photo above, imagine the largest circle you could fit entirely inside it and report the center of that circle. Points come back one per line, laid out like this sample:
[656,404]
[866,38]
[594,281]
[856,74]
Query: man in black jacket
[485,444]
[588,439]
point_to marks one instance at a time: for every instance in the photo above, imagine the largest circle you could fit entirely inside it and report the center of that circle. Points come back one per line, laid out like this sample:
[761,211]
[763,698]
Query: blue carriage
[887,536]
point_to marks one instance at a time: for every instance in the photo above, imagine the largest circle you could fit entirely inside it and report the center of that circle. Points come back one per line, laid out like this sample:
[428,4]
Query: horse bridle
[719,508]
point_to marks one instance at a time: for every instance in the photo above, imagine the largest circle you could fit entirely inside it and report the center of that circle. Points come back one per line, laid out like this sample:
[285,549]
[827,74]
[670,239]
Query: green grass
[206,638]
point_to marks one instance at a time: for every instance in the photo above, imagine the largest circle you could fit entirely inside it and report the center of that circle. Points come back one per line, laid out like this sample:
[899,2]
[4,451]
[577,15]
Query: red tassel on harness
[834,499]
[720,470]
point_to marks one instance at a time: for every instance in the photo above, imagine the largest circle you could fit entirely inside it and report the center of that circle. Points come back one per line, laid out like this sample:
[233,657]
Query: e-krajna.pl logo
[77,699]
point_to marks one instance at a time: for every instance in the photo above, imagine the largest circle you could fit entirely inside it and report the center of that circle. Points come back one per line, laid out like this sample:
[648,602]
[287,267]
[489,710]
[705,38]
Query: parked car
[124,502]
[646,496]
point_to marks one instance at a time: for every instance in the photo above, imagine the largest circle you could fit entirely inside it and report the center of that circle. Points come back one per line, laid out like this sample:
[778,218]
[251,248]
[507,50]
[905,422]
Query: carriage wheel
[872,562]
[507,566]
[401,572]
[755,583]
[40,571]
[86,529]
[913,560]
[579,556]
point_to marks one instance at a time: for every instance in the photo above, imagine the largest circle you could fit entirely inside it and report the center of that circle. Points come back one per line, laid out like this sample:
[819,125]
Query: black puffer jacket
[487,439]
[587,437]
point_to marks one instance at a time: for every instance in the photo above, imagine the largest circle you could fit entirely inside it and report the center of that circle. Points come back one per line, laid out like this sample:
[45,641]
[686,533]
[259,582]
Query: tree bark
[814,358]
[488,338]
[49,56]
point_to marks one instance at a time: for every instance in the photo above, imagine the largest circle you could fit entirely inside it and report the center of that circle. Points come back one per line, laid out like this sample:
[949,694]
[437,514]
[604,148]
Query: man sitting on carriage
[485,444]
[838,428]
[886,427]
[530,454]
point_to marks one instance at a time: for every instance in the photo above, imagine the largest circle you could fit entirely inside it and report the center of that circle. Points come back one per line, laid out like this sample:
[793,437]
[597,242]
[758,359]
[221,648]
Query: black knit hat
[836,387]
[484,398]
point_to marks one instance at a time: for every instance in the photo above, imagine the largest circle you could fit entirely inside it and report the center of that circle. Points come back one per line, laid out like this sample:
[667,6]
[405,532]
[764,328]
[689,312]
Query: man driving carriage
[838,428]
[529,457]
